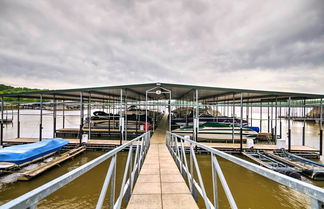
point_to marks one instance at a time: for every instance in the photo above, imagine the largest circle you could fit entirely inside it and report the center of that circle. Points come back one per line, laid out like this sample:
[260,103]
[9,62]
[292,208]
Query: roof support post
[304,122]
[125,110]
[260,116]
[321,126]
[18,117]
[247,113]
[251,118]
[280,121]
[121,118]
[196,123]
[41,118]
[233,118]
[268,117]
[271,120]
[241,125]
[276,119]
[145,109]
[54,117]
[63,114]
[89,116]
[289,129]
[2,120]
[81,118]
[169,111]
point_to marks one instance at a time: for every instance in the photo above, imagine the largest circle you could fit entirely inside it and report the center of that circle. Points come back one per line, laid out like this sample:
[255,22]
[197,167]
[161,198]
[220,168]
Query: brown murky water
[80,193]
[250,190]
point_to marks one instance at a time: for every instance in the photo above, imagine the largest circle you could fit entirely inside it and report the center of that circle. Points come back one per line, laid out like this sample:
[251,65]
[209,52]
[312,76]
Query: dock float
[40,169]
[160,184]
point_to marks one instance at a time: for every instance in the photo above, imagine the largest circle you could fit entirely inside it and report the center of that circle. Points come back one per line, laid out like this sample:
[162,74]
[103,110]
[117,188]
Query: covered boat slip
[150,101]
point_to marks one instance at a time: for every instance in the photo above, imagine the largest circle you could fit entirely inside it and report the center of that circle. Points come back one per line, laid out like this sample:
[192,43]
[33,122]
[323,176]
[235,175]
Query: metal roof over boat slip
[137,92]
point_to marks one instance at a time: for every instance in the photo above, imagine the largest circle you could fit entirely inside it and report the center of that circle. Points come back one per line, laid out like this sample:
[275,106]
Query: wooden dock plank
[160,184]
[40,169]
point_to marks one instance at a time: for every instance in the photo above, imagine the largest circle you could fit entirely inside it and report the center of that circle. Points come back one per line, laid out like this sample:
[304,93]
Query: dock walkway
[160,184]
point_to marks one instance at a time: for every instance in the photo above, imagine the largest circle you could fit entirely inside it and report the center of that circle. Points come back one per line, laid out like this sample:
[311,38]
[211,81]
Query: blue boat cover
[23,153]
[254,128]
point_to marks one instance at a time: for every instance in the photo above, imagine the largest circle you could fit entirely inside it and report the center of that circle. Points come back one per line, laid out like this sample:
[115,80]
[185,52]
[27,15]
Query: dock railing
[178,146]
[139,145]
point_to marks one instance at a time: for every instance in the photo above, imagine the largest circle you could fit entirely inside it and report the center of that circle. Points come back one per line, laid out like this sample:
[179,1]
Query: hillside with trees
[4,89]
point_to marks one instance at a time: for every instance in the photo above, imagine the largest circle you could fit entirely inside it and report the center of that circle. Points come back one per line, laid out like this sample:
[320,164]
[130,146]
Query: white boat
[218,132]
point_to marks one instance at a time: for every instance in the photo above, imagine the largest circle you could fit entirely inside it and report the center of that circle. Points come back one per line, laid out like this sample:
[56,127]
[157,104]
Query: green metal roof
[136,92]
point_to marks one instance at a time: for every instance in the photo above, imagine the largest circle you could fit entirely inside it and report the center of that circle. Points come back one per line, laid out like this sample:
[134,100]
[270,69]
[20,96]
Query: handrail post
[214,176]
[191,169]
[113,185]
[106,183]
[200,179]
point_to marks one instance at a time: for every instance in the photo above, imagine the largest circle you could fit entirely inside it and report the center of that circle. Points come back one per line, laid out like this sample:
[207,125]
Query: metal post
[214,176]
[63,114]
[233,119]
[170,112]
[2,108]
[113,185]
[145,109]
[276,118]
[241,125]
[304,122]
[121,127]
[251,118]
[247,113]
[271,118]
[54,117]
[126,121]
[41,118]
[268,117]
[81,117]
[197,117]
[280,122]
[89,116]
[321,126]
[289,130]
[260,116]
[18,118]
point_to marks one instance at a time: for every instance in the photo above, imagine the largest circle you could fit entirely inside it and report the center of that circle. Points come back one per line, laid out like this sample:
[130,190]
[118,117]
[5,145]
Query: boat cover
[19,154]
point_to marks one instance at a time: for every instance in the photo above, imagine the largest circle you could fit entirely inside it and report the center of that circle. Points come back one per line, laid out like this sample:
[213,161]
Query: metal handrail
[31,199]
[315,193]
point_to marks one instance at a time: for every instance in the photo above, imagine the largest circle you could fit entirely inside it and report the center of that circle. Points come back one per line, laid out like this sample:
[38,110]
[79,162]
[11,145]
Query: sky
[252,44]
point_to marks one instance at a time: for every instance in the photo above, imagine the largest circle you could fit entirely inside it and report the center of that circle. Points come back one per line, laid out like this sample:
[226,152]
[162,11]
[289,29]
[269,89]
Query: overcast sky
[270,45]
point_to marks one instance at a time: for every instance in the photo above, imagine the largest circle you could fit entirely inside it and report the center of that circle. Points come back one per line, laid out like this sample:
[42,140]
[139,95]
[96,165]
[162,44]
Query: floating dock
[160,184]
[75,132]
[42,168]
[102,143]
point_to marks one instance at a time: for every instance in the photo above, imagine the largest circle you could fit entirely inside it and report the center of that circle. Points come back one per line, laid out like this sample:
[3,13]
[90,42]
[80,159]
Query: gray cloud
[247,44]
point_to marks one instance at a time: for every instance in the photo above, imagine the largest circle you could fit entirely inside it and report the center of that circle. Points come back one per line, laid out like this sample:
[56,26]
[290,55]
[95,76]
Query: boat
[17,155]
[218,132]
[182,118]
[103,120]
